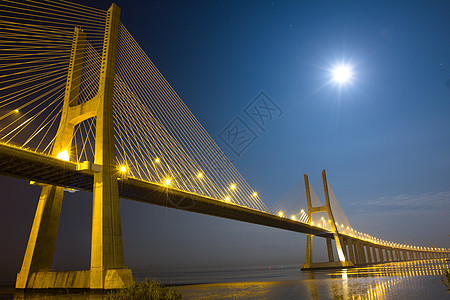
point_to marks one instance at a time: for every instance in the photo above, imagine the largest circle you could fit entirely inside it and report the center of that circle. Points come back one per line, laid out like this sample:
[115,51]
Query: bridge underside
[28,165]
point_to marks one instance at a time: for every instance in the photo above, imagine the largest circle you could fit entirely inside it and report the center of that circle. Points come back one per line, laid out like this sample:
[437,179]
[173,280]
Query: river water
[401,280]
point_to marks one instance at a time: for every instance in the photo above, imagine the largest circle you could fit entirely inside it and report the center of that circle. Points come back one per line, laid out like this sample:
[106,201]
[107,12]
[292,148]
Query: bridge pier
[330,250]
[376,254]
[107,263]
[363,254]
[380,254]
[369,254]
[309,264]
[344,248]
[351,251]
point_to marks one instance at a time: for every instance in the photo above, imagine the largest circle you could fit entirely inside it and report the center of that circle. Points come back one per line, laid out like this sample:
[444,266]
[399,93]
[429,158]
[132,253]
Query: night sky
[383,138]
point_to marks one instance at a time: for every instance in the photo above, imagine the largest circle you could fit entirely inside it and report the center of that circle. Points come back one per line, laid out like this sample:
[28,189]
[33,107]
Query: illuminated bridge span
[84,108]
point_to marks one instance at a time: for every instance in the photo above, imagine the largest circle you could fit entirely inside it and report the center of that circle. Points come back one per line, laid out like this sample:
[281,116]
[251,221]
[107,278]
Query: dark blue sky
[384,139]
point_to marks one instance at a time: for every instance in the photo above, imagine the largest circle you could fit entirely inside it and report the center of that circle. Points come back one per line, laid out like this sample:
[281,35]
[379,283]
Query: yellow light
[167,182]
[199,175]
[63,155]
[227,198]
[123,169]
[233,186]
[157,160]
[293,218]
[16,110]
[312,223]
[280,214]
[302,211]
[255,194]
[323,218]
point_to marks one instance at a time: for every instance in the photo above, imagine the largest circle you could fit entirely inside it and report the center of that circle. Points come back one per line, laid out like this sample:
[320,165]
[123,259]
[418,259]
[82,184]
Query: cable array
[292,204]
[159,139]
[35,49]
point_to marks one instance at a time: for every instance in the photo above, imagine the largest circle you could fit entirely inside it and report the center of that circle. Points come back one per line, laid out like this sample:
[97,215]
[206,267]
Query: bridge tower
[107,269]
[309,242]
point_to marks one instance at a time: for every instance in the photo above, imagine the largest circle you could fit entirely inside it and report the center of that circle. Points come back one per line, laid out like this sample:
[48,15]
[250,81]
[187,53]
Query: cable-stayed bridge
[82,107]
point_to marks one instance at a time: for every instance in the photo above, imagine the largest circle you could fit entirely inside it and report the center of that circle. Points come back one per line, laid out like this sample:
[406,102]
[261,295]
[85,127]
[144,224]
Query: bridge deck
[28,165]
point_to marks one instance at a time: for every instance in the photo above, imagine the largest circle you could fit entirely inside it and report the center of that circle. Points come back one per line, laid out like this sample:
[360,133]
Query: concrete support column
[351,252]
[380,254]
[106,243]
[369,254]
[330,250]
[359,253]
[363,253]
[344,249]
[375,255]
[309,253]
[41,243]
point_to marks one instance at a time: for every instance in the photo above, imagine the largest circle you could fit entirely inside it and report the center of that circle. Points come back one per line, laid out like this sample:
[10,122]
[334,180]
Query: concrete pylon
[107,262]
[309,264]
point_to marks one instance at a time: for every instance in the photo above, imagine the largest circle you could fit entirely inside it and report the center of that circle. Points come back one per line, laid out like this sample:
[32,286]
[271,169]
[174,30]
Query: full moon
[342,74]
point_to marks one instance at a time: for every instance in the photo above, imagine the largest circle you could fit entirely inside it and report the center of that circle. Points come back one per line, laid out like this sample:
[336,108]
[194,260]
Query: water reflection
[390,275]
[398,280]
